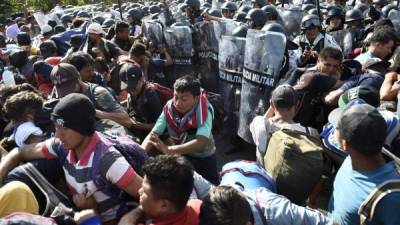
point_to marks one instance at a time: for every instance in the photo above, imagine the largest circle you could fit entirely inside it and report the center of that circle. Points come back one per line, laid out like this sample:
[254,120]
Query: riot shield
[291,20]
[231,61]
[263,59]
[178,40]
[205,44]
[339,37]
[153,31]
[224,27]
[394,16]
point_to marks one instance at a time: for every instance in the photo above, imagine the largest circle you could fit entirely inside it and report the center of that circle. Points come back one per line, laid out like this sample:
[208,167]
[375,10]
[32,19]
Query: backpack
[218,113]
[42,118]
[249,175]
[134,154]
[294,160]
[91,90]
[367,208]
[58,206]
[165,94]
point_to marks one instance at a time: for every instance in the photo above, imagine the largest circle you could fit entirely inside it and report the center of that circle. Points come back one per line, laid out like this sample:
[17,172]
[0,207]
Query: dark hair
[7,91]
[2,41]
[100,65]
[17,106]
[138,50]
[225,205]
[331,53]
[383,35]
[77,22]
[120,26]
[80,60]
[170,178]
[189,84]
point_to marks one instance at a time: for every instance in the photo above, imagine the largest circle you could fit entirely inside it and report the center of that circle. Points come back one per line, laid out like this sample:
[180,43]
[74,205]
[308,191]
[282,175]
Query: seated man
[66,79]
[362,134]
[188,120]
[75,145]
[165,176]
[144,104]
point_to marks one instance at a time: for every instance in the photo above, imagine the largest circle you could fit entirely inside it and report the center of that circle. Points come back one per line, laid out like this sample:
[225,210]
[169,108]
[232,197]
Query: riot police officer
[192,10]
[312,40]
[335,19]
[256,18]
[228,9]
[135,16]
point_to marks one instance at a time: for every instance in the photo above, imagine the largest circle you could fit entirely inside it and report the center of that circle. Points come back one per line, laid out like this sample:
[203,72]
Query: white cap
[95,28]
[46,29]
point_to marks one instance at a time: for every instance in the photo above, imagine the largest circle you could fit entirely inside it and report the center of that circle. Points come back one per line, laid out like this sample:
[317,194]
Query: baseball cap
[315,82]
[64,78]
[369,94]
[65,113]
[284,96]
[361,125]
[374,62]
[95,28]
[129,75]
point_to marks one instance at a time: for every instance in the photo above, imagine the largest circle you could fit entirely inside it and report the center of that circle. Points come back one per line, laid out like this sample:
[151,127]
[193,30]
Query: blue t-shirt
[374,80]
[352,187]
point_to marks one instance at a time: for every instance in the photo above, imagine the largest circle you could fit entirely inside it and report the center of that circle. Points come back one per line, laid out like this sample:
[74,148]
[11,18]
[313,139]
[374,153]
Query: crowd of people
[111,114]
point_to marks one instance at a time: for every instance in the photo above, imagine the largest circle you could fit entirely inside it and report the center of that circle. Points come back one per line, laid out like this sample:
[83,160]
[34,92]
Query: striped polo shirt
[113,166]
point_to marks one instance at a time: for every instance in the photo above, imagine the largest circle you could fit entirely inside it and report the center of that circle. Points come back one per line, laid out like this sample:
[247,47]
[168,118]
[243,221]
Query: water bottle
[8,77]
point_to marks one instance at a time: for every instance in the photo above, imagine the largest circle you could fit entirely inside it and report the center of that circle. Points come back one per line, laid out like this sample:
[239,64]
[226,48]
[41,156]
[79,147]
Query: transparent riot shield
[263,59]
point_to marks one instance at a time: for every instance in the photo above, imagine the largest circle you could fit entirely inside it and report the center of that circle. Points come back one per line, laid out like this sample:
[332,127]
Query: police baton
[120,9]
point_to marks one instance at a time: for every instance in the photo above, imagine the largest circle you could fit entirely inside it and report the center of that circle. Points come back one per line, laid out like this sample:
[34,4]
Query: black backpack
[218,115]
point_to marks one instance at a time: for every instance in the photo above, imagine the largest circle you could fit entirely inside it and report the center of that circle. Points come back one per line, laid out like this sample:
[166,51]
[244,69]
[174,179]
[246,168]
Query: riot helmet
[99,19]
[354,15]
[136,14]
[256,18]
[272,13]
[244,8]
[310,21]
[67,18]
[228,9]
[240,31]
[215,12]
[362,7]
[258,3]
[240,17]
[83,14]
[52,23]
[195,4]
[154,9]
[231,6]
[108,23]
[275,27]
[145,10]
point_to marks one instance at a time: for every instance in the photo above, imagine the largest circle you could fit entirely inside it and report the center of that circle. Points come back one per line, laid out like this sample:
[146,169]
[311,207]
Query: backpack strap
[367,208]
[257,205]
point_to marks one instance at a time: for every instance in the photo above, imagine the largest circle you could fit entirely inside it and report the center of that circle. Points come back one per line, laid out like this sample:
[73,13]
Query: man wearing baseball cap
[100,47]
[75,144]
[66,80]
[362,133]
